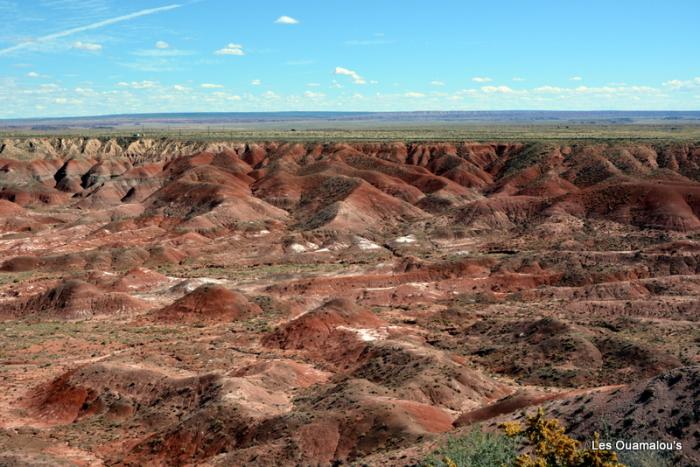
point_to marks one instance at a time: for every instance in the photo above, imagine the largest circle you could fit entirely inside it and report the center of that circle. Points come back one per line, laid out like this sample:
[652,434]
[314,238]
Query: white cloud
[674,84]
[256,82]
[313,85]
[89,27]
[576,78]
[497,89]
[437,83]
[162,45]
[212,86]
[86,91]
[481,79]
[89,46]
[314,95]
[226,96]
[357,79]
[518,79]
[414,94]
[231,49]
[180,87]
[682,84]
[33,74]
[67,101]
[549,89]
[286,20]
[270,95]
[138,84]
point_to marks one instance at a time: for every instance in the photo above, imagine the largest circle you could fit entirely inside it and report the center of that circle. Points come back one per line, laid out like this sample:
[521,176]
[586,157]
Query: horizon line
[268,112]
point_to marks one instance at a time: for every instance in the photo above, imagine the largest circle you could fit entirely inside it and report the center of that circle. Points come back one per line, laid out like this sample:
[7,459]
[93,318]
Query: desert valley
[170,302]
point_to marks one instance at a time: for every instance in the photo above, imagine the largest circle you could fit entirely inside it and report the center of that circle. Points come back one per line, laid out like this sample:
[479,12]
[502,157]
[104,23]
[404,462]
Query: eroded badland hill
[169,303]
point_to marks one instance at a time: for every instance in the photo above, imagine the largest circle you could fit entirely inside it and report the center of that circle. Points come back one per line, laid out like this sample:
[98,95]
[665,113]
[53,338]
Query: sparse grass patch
[476,449]
[14,277]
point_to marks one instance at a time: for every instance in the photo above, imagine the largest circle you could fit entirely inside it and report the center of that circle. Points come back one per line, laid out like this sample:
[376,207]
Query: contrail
[88,27]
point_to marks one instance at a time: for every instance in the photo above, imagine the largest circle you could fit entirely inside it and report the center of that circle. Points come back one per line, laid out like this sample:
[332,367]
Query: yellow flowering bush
[541,441]
[549,446]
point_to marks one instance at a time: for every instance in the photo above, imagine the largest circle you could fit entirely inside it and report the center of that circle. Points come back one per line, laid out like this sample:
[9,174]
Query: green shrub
[476,449]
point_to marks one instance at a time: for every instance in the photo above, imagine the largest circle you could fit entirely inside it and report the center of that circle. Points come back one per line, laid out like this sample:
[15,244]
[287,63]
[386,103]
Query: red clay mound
[74,299]
[548,186]
[575,356]
[69,177]
[344,422]
[139,279]
[208,303]
[103,171]
[313,329]
[501,212]
[386,183]
[20,264]
[278,374]
[119,392]
[344,203]
[425,375]
[33,194]
[10,209]
[419,177]
[180,165]
[224,197]
[665,206]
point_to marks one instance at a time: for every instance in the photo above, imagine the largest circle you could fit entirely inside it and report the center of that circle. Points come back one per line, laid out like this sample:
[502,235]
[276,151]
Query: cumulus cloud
[256,82]
[89,46]
[414,94]
[497,89]
[138,84]
[67,101]
[33,74]
[212,86]
[286,20]
[85,91]
[682,84]
[549,89]
[162,45]
[356,78]
[576,78]
[231,49]
[437,83]
[314,95]
[227,96]
[481,79]
[518,79]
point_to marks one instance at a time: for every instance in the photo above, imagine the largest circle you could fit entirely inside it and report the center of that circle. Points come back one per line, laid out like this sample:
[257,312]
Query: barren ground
[168,303]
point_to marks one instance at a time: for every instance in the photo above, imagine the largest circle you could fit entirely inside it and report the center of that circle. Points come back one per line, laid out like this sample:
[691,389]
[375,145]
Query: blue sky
[90,57]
